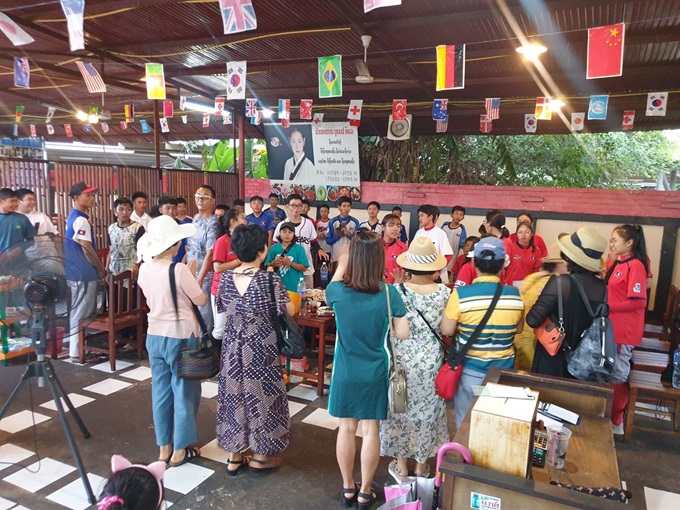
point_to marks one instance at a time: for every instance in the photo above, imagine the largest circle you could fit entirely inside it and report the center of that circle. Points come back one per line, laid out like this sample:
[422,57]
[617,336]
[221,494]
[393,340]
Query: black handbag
[288,335]
[203,362]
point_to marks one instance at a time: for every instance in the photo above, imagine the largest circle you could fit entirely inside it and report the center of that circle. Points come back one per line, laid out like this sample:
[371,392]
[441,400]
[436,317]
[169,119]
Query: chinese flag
[605,51]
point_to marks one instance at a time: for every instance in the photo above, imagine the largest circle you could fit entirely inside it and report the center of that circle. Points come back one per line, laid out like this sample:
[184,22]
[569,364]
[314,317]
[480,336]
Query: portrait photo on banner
[290,153]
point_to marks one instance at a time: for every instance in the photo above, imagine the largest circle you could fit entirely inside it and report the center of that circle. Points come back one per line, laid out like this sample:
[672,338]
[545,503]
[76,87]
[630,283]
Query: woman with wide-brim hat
[532,286]
[583,251]
[174,400]
[419,433]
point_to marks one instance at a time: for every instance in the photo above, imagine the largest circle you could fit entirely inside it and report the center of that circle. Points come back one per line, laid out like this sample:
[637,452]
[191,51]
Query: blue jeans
[464,396]
[174,400]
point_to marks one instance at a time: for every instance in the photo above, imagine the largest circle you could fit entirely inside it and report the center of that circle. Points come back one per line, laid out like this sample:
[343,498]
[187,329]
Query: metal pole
[157,138]
[241,158]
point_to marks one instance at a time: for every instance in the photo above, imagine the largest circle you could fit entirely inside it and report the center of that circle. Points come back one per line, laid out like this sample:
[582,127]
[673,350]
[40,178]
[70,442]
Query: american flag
[238,16]
[251,107]
[94,82]
[493,107]
[443,125]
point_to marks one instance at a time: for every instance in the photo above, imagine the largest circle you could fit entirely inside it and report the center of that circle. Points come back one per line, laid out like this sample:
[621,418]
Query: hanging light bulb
[267,113]
[93,119]
[81,115]
[556,104]
[531,51]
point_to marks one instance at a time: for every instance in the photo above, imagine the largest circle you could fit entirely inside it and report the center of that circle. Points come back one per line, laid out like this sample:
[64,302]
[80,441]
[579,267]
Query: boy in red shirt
[391,224]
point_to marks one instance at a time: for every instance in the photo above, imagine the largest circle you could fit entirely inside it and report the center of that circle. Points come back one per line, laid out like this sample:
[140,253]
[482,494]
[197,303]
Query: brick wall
[646,204]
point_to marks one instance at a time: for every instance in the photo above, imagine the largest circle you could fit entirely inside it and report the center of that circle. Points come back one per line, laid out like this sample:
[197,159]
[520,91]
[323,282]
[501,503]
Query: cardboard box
[501,432]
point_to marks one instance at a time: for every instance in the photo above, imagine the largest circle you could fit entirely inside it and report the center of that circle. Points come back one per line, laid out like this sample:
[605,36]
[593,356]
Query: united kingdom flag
[251,107]
[238,16]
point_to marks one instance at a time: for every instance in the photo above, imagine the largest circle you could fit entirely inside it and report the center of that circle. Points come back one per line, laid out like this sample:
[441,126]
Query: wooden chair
[102,253]
[649,385]
[123,312]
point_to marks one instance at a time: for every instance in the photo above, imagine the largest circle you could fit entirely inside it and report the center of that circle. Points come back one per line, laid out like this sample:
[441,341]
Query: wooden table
[590,460]
[320,324]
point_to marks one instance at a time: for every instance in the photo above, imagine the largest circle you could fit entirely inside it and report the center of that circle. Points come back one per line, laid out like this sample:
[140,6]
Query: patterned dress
[419,433]
[252,405]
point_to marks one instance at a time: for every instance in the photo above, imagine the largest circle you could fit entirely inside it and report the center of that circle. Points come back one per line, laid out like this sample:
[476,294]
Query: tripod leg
[74,414]
[28,373]
[49,378]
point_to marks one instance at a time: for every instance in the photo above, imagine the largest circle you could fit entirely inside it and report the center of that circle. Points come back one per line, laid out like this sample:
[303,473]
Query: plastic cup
[558,442]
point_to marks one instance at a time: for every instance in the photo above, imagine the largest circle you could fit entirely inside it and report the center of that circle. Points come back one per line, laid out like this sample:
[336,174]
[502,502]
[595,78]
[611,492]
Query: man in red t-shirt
[393,246]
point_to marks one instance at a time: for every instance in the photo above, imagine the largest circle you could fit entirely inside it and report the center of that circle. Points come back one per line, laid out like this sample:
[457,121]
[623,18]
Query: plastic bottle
[302,290]
[323,273]
[676,369]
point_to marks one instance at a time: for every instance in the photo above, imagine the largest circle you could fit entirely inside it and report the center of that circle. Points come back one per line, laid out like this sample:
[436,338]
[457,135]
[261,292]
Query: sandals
[424,474]
[128,347]
[241,464]
[395,472]
[189,454]
[267,465]
[348,502]
[366,505]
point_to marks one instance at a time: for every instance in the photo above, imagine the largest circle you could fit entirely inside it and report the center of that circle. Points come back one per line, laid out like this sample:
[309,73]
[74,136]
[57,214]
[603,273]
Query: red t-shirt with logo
[523,262]
[221,253]
[466,275]
[392,251]
[628,281]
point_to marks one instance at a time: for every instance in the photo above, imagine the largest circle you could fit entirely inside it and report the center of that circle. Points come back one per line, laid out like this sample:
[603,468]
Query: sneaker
[617,430]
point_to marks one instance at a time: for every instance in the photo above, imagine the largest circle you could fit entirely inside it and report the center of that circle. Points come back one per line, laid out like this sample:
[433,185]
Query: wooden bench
[653,345]
[647,384]
[650,361]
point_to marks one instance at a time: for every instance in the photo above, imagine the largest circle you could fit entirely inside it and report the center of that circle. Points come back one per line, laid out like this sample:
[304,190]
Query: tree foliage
[607,160]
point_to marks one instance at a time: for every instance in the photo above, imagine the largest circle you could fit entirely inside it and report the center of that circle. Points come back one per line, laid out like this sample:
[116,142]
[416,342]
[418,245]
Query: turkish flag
[605,51]
[399,109]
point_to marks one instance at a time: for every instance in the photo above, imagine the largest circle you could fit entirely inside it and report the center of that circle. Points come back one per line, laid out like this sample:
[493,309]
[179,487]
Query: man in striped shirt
[466,309]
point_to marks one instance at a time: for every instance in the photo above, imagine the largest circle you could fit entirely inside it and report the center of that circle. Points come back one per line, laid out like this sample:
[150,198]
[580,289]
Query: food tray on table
[316,295]
[324,311]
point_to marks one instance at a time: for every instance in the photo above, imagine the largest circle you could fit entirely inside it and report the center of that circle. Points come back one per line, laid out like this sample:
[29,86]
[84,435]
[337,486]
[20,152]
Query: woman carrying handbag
[467,308]
[175,400]
[359,382]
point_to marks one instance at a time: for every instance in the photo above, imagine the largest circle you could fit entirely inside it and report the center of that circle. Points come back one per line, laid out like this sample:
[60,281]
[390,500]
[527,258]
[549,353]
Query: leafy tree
[607,160]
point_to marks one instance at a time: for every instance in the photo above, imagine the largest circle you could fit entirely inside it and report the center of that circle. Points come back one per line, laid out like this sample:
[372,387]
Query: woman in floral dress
[252,410]
[418,433]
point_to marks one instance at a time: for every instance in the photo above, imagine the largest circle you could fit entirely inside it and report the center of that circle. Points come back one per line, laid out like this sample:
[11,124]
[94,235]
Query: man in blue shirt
[81,264]
[14,227]
[341,230]
[257,217]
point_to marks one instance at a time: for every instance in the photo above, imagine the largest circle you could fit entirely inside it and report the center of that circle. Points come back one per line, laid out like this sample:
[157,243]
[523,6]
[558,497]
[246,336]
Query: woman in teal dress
[359,381]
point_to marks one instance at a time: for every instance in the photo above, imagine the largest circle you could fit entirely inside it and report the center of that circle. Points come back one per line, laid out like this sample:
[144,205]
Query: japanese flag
[577,121]
[50,129]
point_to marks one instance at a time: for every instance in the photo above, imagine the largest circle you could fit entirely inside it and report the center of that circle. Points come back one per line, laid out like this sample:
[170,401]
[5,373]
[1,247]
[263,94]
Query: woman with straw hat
[532,286]
[583,251]
[418,433]
[174,400]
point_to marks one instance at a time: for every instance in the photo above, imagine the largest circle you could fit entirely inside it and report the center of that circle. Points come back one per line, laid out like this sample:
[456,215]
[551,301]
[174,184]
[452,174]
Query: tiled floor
[116,409]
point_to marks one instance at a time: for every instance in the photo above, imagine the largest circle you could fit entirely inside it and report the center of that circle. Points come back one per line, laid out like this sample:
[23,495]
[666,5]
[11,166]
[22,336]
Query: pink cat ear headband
[118,463]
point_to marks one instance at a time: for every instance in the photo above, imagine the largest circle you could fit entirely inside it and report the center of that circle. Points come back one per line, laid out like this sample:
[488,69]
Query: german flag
[451,67]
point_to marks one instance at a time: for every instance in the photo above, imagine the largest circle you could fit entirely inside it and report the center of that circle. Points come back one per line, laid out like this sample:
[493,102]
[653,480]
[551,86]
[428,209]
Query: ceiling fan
[364,76]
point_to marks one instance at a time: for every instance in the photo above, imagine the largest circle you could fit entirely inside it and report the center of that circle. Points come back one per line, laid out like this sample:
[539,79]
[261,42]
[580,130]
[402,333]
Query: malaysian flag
[94,82]
[238,16]
[493,107]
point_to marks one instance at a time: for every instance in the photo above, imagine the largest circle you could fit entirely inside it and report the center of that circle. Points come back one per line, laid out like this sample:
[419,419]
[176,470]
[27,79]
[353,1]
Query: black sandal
[189,454]
[263,463]
[348,502]
[241,464]
[366,505]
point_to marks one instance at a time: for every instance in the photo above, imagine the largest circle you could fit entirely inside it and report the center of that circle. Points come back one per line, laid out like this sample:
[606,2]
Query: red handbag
[549,334]
[448,377]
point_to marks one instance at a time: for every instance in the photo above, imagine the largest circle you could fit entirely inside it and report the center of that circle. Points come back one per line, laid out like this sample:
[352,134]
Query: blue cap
[490,244]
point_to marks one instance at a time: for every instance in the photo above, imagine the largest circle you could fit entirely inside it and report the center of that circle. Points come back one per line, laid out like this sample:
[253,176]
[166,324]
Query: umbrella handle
[448,447]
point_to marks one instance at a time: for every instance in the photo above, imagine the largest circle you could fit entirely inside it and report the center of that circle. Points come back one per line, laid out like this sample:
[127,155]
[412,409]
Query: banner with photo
[318,161]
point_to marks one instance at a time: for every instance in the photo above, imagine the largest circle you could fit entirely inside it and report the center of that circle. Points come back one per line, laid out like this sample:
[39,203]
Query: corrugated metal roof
[188,38]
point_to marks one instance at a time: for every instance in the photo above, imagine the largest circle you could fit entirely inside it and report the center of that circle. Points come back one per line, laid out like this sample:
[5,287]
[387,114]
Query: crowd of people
[237,270]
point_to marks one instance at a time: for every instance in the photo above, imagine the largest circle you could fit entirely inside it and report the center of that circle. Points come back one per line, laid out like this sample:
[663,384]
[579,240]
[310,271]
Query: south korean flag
[236,80]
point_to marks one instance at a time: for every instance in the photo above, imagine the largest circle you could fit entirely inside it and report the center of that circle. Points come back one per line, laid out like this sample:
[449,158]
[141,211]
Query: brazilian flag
[330,76]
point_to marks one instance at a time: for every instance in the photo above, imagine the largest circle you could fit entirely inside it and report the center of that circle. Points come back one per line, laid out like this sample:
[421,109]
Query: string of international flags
[604,60]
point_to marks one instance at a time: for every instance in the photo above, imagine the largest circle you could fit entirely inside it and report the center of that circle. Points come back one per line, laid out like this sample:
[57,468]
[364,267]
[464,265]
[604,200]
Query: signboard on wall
[318,161]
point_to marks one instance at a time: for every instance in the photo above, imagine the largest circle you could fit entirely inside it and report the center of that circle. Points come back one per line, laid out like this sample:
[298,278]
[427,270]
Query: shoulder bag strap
[436,335]
[389,322]
[460,355]
[272,294]
[584,298]
[560,304]
[173,288]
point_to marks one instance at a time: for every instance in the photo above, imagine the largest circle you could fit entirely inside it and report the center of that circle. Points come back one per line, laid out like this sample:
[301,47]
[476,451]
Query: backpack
[593,358]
